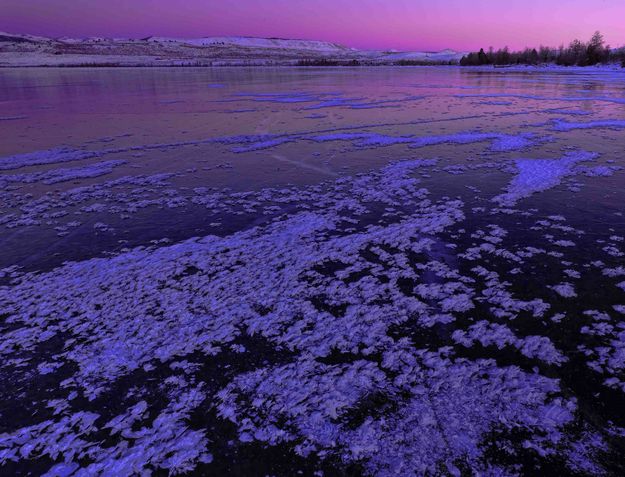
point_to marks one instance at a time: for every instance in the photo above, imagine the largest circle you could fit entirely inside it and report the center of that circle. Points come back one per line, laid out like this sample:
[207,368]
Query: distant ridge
[29,50]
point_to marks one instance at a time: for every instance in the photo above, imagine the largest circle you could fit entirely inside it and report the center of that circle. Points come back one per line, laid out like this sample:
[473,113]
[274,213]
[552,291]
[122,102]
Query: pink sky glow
[375,24]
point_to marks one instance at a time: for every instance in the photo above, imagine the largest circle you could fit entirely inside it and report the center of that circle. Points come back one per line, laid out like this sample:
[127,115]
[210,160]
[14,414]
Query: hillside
[28,50]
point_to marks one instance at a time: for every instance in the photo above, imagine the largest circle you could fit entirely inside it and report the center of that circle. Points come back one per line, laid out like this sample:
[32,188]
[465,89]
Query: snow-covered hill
[438,56]
[28,50]
[252,42]
[13,38]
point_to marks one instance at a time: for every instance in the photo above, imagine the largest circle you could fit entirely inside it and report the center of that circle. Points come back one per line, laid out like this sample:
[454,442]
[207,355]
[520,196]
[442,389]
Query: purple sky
[400,24]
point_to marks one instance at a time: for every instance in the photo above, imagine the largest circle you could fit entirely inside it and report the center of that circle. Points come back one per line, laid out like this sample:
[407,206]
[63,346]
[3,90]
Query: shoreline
[489,68]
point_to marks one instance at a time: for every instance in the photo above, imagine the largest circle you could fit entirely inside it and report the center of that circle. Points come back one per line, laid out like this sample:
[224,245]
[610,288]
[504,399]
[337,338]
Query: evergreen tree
[482,58]
[533,57]
[596,51]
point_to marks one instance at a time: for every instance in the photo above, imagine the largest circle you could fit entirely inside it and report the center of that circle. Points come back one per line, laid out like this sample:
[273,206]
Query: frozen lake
[339,270]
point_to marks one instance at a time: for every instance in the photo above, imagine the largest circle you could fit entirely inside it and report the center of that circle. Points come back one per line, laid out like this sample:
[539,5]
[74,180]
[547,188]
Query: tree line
[577,53]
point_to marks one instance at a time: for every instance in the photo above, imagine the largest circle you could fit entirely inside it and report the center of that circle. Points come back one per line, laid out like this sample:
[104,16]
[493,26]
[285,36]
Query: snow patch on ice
[563,125]
[538,175]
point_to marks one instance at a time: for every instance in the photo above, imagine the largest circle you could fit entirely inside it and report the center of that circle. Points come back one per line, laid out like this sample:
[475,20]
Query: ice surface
[390,317]
[532,97]
[206,294]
